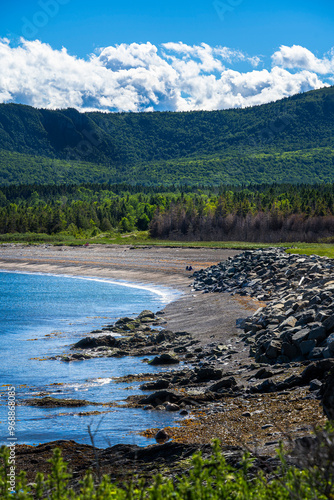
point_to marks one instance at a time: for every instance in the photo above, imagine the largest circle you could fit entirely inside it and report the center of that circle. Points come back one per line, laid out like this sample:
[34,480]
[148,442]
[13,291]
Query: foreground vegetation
[289,140]
[311,478]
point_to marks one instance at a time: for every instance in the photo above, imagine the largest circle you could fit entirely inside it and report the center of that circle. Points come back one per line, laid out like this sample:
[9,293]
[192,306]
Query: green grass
[322,249]
[142,239]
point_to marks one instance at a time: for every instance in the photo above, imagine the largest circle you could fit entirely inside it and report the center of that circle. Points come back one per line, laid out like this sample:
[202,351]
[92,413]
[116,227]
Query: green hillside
[287,141]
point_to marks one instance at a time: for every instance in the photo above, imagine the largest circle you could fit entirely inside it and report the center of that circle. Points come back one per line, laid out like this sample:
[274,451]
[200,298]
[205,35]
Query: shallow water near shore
[41,316]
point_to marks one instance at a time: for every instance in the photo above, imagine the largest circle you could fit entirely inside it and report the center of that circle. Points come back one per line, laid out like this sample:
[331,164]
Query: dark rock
[317,370]
[226,383]
[306,346]
[156,385]
[316,353]
[317,333]
[274,349]
[330,342]
[146,314]
[315,385]
[300,336]
[327,396]
[172,407]
[160,397]
[290,350]
[263,373]
[91,342]
[206,374]
[329,324]
[164,359]
[161,436]
[264,387]
[306,317]
[50,402]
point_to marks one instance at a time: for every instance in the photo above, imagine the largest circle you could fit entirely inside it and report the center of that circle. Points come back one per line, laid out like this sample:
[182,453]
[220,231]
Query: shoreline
[155,266]
[210,319]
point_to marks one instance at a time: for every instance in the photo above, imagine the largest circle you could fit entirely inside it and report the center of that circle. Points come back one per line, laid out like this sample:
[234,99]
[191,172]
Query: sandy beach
[203,315]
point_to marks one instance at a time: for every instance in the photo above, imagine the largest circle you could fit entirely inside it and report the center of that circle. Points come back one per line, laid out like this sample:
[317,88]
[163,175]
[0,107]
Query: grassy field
[142,238]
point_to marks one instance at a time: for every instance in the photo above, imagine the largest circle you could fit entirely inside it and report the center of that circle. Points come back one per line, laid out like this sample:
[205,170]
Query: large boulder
[91,342]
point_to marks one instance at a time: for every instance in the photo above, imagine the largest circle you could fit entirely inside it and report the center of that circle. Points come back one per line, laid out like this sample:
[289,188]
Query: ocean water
[41,316]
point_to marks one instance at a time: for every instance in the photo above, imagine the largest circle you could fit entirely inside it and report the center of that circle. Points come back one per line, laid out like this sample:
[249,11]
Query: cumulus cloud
[297,57]
[144,77]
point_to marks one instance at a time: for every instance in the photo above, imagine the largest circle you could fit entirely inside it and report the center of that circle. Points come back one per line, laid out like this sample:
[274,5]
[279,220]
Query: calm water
[40,316]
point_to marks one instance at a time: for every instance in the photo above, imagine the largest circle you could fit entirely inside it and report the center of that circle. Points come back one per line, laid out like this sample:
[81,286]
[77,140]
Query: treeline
[261,213]
[269,215]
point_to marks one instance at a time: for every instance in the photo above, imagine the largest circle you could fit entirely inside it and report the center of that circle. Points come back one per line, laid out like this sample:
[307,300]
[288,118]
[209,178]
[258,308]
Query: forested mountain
[287,141]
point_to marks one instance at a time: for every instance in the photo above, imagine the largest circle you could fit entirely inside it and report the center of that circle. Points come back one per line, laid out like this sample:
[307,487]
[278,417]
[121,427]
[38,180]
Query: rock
[153,386]
[290,350]
[306,346]
[164,359]
[246,414]
[172,407]
[317,333]
[316,353]
[288,322]
[274,349]
[183,413]
[315,385]
[290,382]
[160,397]
[306,317]
[226,383]
[330,342]
[206,374]
[161,436]
[317,370]
[295,323]
[300,336]
[264,387]
[148,407]
[122,321]
[327,396]
[329,324]
[50,402]
[263,373]
[92,342]
[146,314]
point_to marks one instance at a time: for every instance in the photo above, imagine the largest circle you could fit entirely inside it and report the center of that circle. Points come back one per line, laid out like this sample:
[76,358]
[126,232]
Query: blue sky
[254,31]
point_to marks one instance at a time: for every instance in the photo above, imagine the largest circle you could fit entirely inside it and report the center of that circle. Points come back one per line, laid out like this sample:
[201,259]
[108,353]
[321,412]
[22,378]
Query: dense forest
[290,140]
[259,213]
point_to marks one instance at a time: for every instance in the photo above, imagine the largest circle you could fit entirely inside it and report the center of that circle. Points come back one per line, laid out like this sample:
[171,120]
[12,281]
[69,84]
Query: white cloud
[297,57]
[144,77]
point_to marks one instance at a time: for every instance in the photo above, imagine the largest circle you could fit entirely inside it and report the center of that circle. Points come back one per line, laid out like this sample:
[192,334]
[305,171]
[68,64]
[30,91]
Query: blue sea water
[40,317]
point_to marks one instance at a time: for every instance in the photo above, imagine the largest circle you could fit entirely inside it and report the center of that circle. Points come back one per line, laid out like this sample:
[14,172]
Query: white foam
[166,294]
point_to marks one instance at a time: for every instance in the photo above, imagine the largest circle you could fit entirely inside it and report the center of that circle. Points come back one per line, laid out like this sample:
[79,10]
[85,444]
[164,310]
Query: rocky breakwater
[298,322]
[296,327]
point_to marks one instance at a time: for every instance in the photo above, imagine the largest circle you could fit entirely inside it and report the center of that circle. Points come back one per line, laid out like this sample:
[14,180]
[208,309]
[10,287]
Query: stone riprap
[298,322]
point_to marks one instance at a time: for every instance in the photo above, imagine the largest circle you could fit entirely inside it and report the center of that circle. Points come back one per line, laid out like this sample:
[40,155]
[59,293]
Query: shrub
[210,478]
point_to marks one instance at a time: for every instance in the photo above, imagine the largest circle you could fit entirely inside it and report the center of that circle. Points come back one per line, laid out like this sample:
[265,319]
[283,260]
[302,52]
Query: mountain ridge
[117,147]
